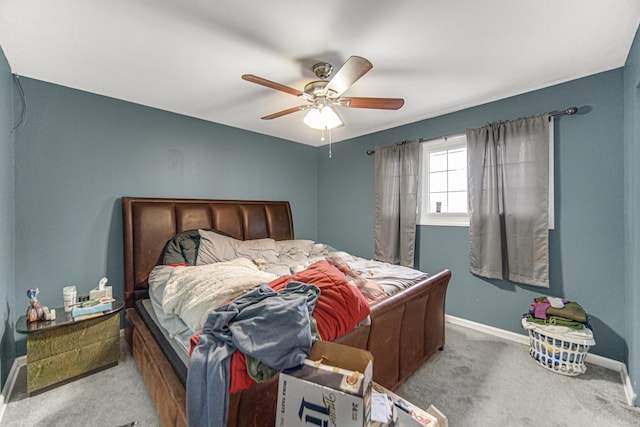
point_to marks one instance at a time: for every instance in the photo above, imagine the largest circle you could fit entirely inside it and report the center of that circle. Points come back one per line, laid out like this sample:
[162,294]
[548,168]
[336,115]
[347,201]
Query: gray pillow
[182,249]
[215,247]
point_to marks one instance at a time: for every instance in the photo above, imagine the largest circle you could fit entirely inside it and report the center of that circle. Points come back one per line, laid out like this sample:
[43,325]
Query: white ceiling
[188,56]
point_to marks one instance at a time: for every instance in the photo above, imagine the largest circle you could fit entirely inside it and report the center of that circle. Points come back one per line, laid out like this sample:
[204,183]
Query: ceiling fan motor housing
[322,70]
[315,89]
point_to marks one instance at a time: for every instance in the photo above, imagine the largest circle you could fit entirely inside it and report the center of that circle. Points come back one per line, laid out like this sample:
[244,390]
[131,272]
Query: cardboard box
[405,414]
[332,388]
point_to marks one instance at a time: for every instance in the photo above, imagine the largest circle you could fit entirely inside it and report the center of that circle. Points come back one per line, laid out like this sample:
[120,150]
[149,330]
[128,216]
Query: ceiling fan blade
[285,112]
[376,103]
[273,85]
[348,74]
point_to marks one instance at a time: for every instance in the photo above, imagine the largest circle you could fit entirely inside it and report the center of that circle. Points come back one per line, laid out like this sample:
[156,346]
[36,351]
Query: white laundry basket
[557,352]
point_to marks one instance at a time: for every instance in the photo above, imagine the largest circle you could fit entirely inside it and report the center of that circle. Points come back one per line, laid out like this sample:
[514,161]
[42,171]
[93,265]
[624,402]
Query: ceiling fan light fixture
[322,118]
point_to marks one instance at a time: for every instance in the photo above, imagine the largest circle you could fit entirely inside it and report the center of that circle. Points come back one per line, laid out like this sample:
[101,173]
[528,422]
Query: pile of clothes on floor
[559,317]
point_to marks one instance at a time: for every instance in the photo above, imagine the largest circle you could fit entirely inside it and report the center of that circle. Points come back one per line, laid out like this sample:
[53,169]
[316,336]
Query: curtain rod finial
[566,112]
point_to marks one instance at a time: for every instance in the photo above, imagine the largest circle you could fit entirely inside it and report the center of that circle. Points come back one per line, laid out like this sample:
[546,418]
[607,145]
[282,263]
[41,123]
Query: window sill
[445,220]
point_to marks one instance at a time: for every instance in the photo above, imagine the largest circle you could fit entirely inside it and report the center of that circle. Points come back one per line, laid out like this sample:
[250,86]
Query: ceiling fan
[323,95]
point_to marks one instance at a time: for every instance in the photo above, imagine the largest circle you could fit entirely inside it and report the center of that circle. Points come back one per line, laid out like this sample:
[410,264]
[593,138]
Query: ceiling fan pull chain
[322,136]
[330,141]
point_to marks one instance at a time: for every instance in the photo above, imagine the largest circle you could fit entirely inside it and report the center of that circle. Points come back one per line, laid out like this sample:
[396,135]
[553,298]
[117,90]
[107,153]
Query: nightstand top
[62,319]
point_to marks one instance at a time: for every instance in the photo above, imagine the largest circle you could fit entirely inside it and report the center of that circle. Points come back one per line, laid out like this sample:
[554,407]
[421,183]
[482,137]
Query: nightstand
[62,350]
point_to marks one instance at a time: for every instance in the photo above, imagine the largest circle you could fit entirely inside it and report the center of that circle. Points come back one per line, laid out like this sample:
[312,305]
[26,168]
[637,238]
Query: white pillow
[258,248]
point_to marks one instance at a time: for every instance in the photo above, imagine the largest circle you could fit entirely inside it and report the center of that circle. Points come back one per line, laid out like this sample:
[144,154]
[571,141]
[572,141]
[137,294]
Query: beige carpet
[482,380]
[477,380]
[114,397]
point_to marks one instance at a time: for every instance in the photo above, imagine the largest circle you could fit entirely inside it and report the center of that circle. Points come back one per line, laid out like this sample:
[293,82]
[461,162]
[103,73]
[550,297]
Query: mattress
[174,349]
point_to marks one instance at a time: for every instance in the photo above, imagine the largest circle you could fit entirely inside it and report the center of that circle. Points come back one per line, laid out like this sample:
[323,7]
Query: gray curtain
[396,201]
[508,170]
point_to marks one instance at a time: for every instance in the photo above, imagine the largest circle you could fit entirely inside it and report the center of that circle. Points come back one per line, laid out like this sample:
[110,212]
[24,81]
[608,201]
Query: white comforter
[391,277]
[193,292]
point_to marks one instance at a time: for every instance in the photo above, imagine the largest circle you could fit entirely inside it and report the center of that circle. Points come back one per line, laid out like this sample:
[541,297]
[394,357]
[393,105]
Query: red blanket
[338,310]
[340,306]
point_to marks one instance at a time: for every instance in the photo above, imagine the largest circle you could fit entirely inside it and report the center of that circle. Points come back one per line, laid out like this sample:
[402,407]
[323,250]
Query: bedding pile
[340,306]
[391,277]
[207,272]
[273,327]
[191,293]
[338,310]
[207,268]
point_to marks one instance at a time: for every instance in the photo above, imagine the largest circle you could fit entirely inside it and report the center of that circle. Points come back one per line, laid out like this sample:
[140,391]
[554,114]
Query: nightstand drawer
[73,363]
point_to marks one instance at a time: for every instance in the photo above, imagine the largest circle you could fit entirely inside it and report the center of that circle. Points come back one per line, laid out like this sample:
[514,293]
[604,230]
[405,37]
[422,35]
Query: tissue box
[96,293]
[332,387]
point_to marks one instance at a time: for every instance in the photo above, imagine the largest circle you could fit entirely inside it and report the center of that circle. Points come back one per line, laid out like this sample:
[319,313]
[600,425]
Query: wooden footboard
[406,329]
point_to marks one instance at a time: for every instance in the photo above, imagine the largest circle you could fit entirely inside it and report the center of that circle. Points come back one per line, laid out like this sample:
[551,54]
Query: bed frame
[405,330]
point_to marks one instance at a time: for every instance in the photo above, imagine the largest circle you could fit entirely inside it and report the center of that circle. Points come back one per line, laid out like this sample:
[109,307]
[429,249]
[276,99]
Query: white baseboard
[628,386]
[18,363]
[502,333]
[594,359]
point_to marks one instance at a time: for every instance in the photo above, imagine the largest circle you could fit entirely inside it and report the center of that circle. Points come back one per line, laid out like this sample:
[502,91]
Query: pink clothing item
[540,308]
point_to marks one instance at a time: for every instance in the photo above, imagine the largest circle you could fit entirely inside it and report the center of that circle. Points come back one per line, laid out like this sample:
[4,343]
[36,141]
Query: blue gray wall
[79,153]
[8,313]
[587,249]
[632,205]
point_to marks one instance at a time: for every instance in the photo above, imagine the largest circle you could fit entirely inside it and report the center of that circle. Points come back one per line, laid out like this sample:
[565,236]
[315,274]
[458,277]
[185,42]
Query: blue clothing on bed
[270,326]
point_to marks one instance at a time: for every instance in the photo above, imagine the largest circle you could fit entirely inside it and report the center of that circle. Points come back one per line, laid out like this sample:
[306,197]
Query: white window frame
[424,216]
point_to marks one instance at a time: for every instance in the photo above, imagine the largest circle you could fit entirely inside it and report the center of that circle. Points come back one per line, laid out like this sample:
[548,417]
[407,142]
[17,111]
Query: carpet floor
[114,397]
[482,380]
[477,380]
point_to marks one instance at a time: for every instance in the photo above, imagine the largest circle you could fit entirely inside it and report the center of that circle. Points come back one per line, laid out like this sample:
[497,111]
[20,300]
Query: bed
[405,329]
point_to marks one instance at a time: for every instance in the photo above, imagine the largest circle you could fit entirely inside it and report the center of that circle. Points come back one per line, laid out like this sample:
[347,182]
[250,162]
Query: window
[443,181]
[443,193]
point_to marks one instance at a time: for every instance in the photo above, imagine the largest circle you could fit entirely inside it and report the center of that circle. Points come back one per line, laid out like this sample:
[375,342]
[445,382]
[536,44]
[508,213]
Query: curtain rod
[566,112]
[370,152]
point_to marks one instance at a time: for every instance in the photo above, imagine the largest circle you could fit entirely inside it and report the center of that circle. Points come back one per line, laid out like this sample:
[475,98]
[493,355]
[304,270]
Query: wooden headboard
[149,223]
